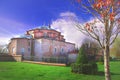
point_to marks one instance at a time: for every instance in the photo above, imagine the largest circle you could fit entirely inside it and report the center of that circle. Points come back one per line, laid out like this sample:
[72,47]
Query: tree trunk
[106,63]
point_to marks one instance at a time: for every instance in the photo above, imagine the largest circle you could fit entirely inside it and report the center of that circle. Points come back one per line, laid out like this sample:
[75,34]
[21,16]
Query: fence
[7,57]
[65,59]
[55,59]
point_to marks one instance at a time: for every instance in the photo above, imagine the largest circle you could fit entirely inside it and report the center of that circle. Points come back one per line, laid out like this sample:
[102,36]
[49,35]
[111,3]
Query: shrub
[84,68]
[82,65]
[101,60]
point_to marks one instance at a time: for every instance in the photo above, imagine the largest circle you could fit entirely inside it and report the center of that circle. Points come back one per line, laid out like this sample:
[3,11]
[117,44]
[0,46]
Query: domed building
[40,42]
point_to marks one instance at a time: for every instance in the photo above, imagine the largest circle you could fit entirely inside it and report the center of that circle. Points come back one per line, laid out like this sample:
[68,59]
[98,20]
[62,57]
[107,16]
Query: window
[68,50]
[28,49]
[45,34]
[62,50]
[22,50]
[29,43]
[55,50]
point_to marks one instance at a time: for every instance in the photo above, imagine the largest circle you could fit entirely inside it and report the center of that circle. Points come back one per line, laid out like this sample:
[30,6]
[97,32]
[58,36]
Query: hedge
[89,68]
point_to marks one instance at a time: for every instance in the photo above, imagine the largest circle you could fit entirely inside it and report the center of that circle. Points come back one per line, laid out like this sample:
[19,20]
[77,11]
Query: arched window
[22,50]
[62,50]
[55,50]
[28,49]
[45,34]
[29,43]
[68,50]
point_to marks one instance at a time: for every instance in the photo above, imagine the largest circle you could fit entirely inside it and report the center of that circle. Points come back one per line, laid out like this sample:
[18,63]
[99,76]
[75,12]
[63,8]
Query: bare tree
[3,49]
[104,28]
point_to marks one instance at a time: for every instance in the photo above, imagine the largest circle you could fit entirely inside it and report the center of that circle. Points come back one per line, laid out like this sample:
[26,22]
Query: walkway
[45,63]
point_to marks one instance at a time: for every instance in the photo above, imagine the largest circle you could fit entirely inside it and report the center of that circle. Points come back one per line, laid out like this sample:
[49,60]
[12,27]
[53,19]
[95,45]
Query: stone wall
[38,48]
[45,47]
[20,46]
[5,57]
[12,47]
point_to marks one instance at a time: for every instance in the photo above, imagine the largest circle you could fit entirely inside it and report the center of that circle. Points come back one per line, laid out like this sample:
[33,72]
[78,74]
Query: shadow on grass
[115,73]
[41,74]
[101,73]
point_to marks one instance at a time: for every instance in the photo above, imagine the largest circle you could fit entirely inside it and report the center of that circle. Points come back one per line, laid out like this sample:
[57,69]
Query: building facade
[40,42]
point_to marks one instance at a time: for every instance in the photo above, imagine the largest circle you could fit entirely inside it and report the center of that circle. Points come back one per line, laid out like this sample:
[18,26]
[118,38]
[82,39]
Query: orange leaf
[119,21]
[112,16]
[119,3]
[107,3]
[102,15]
[87,25]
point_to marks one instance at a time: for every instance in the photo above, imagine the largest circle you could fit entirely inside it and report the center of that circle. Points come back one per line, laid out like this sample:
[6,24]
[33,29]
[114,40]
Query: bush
[84,68]
[82,65]
[113,59]
[101,60]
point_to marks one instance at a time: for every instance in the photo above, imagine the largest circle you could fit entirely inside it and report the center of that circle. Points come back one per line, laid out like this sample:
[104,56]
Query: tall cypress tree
[82,57]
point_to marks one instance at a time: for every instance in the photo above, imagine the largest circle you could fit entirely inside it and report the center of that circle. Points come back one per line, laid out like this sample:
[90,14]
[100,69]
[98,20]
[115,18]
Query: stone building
[40,42]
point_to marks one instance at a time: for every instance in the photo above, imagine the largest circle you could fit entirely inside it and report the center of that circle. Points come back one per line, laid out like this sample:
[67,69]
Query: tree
[104,28]
[82,56]
[92,49]
[3,49]
[115,51]
[83,65]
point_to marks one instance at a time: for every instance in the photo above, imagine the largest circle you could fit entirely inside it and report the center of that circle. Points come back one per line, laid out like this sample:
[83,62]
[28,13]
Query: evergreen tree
[82,58]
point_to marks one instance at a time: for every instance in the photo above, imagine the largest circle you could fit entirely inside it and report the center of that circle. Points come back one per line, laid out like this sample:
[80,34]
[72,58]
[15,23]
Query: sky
[17,16]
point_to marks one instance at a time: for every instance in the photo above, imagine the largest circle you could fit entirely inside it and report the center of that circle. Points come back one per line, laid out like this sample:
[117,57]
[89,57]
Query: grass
[27,71]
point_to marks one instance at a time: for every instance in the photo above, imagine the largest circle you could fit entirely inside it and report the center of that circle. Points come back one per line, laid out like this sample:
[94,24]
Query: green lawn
[27,71]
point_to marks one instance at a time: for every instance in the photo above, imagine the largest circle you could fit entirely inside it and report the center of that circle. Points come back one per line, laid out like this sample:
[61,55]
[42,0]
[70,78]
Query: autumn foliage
[105,9]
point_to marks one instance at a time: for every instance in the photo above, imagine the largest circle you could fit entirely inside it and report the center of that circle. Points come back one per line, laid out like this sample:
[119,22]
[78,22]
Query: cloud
[68,14]
[10,28]
[4,40]
[65,25]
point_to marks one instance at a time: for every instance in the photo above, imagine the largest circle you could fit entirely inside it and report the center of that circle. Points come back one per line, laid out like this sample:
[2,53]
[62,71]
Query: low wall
[5,57]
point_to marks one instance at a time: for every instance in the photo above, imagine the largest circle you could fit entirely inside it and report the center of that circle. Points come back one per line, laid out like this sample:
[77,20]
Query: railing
[55,59]
[5,57]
